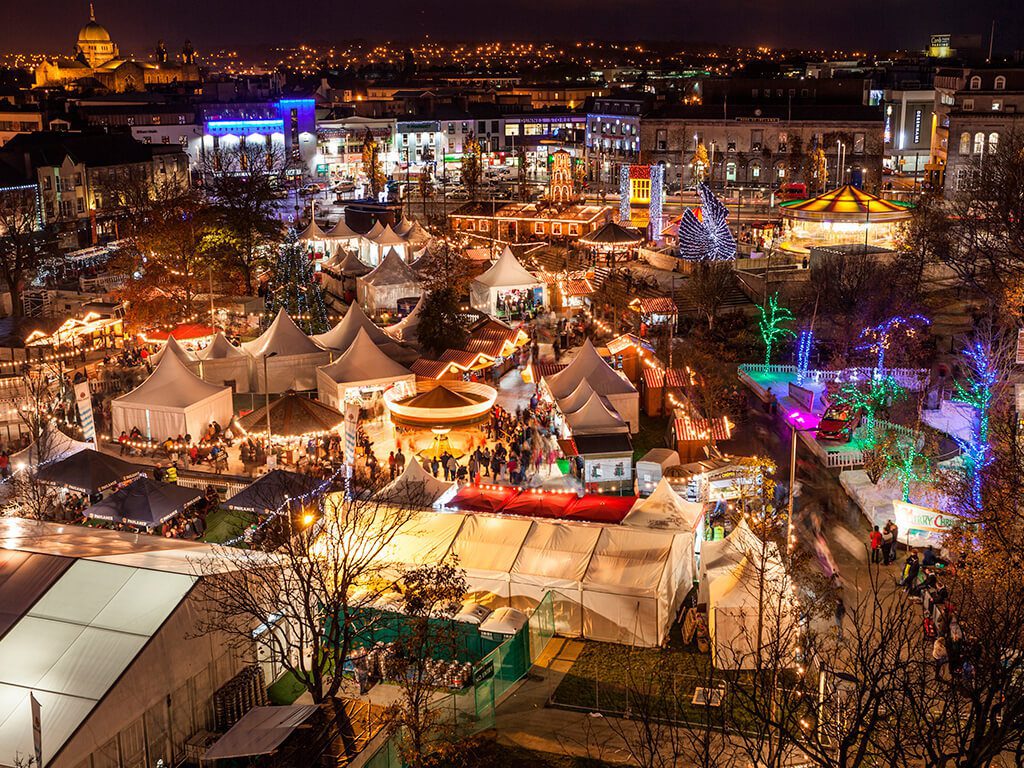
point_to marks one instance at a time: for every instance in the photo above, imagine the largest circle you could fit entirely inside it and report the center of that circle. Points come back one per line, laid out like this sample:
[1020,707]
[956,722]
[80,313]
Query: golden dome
[93,32]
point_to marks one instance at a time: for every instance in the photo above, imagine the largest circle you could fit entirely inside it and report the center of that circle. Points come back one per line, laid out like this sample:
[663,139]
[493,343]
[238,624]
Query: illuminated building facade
[287,127]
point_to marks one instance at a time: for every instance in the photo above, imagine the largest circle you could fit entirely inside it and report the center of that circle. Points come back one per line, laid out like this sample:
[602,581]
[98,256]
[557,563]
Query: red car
[838,423]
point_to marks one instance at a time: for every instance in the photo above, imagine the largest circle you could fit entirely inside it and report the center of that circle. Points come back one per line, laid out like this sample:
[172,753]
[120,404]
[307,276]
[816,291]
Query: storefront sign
[83,399]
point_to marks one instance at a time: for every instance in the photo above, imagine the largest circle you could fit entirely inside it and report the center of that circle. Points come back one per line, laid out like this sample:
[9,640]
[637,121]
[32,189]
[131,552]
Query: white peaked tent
[741,597]
[595,417]
[171,346]
[665,510]
[341,336]
[291,357]
[416,487]
[634,584]
[313,236]
[172,401]
[403,227]
[341,236]
[590,367]
[389,240]
[554,557]
[367,246]
[506,274]
[406,328]
[723,554]
[487,548]
[575,399]
[390,281]
[363,365]
[221,362]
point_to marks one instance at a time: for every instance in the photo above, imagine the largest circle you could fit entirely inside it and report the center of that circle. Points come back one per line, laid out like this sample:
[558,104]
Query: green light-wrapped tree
[293,288]
[774,316]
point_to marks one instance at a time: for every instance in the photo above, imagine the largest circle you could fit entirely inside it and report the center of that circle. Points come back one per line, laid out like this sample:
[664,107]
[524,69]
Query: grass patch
[224,524]
[483,751]
[286,690]
[650,435]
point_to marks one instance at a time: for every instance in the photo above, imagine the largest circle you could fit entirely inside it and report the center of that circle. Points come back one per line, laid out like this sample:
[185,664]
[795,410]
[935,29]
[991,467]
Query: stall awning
[260,731]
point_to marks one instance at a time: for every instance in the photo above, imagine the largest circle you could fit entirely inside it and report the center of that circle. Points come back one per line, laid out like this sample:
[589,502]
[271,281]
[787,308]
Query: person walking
[876,545]
[840,616]
[452,468]
[894,542]
[391,465]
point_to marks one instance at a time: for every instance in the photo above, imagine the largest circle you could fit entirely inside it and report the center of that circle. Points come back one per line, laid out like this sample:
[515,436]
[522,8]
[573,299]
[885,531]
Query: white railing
[762,368]
[909,378]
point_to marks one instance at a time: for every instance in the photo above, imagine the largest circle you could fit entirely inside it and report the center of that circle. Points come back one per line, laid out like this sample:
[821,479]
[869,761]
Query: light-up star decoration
[707,238]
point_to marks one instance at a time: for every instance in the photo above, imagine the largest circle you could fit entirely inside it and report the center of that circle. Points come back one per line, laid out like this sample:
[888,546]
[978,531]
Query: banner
[83,398]
[920,526]
[37,728]
[351,427]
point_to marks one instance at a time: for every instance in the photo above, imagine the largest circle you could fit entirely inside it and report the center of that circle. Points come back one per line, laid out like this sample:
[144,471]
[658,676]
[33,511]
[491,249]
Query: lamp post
[266,395]
[794,418]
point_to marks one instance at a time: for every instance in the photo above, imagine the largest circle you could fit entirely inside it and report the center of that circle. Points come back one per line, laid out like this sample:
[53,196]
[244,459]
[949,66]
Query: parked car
[343,186]
[458,194]
[838,423]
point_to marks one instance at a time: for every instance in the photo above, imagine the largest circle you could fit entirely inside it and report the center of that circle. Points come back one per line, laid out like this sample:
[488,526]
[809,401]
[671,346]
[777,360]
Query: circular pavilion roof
[847,204]
[613,235]
[449,404]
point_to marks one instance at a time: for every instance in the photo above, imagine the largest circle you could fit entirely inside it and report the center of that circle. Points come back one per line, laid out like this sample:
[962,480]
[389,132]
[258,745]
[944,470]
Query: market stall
[172,401]
[284,358]
[292,416]
[363,371]
[221,362]
[589,366]
[88,471]
[507,289]
[416,487]
[380,290]
[172,347]
[272,491]
[144,503]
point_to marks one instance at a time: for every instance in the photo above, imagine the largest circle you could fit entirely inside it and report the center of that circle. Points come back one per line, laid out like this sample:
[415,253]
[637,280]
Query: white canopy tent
[388,240]
[392,280]
[747,595]
[589,366]
[504,276]
[723,554]
[595,417]
[487,548]
[666,510]
[341,336]
[313,237]
[221,362]
[361,367]
[341,237]
[290,356]
[172,401]
[171,346]
[406,328]
[634,584]
[416,487]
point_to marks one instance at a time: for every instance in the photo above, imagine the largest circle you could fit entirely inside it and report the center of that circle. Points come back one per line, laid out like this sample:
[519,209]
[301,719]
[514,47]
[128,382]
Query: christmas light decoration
[803,354]
[657,203]
[906,463]
[709,238]
[771,324]
[880,393]
[982,377]
[294,289]
[624,194]
[879,338]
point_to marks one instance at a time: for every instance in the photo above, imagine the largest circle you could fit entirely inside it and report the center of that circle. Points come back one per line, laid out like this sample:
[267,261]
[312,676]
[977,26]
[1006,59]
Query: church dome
[94,32]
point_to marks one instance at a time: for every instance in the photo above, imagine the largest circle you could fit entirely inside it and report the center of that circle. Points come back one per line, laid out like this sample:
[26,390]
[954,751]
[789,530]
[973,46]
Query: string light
[771,324]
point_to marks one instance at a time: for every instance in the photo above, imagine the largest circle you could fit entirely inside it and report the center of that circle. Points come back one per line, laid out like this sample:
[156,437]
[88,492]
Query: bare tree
[304,604]
[23,244]
[707,288]
[431,597]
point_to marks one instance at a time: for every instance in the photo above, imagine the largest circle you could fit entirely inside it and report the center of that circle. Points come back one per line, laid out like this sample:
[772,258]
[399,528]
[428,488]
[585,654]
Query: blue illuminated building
[287,126]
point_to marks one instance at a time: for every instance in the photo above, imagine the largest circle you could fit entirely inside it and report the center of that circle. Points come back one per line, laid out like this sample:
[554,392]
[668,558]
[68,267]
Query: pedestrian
[910,570]
[894,542]
[840,615]
[400,461]
[452,468]
[434,466]
[940,656]
[392,465]
[887,539]
[876,545]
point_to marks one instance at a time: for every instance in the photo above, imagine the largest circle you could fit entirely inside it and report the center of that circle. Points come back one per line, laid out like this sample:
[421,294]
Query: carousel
[613,242]
[451,414]
[846,215]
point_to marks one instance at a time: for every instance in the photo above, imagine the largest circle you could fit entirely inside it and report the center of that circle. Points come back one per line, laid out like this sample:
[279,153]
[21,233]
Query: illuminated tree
[471,165]
[803,354]
[817,165]
[879,393]
[700,161]
[372,168]
[294,289]
[977,391]
[774,316]
[906,463]
[880,338]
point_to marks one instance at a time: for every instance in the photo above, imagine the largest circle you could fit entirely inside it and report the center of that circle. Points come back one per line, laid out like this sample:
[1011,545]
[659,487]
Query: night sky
[31,25]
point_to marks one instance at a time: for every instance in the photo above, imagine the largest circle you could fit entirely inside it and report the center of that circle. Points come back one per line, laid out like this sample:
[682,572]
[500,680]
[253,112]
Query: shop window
[471,226]
[556,228]
[538,228]
[574,229]
[485,226]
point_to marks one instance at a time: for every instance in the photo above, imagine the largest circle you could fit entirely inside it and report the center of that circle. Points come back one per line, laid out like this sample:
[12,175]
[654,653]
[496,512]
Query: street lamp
[266,394]
[793,418]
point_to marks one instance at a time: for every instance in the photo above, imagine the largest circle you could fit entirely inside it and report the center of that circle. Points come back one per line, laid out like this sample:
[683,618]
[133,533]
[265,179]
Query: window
[78,179]
[964,178]
[81,205]
[181,119]
[965,143]
[783,141]
[47,185]
[538,228]
[451,129]
[165,139]
[968,105]
[574,229]
[730,146]
[730,171]
[494,126]
[155,120]
[975,83]
[471,226]
[979,143]
[993,142]
[556,228]
[661,138]
[485,226]
[481,126]
[858,143]
[1000,83]
[756,139]
[997,105]
[755,171]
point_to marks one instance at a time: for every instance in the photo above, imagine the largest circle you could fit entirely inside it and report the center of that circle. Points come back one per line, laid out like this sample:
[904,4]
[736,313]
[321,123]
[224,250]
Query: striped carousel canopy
[846,204]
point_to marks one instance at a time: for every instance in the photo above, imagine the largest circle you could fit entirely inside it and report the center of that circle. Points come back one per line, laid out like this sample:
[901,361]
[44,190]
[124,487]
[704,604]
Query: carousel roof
[613,234]
[443,397]
[846,204]
[293,415]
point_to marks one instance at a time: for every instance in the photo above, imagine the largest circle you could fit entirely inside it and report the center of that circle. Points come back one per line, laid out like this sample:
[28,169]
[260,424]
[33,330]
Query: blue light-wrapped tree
[977,391]
[294,289]
[708,238]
